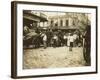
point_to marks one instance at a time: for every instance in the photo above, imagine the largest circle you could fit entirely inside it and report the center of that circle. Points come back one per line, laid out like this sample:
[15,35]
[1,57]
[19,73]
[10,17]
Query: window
[51,23]
[61,22]
[66,22]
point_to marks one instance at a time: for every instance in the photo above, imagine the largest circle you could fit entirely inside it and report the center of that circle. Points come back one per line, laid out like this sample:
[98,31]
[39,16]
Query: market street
[53,57]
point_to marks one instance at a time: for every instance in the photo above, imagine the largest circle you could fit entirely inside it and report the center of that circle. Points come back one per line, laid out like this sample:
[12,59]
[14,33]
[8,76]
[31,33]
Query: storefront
[33,20]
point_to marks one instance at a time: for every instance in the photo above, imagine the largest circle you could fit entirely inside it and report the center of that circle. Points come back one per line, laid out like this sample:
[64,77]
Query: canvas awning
[65,27]
[33,17]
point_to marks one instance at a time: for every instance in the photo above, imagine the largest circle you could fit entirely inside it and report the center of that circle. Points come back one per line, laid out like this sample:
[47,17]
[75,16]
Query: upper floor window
[61,23]
[66,22]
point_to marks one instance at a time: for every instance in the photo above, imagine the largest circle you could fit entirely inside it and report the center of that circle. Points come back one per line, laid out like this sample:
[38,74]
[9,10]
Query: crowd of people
[59,38]
[53,38]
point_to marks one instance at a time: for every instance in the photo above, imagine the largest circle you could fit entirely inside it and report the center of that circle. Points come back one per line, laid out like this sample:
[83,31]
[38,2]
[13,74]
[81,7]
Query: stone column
[49,23]
[70,22]
[64,22]
[43,24]
[38,23]
[58,22]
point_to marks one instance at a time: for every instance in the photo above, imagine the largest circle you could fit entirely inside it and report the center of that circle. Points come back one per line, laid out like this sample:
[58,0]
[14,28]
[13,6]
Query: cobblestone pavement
[53,57]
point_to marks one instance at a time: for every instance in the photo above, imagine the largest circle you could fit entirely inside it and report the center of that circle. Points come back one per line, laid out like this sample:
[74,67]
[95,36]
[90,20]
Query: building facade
[39,19]
[69,20]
